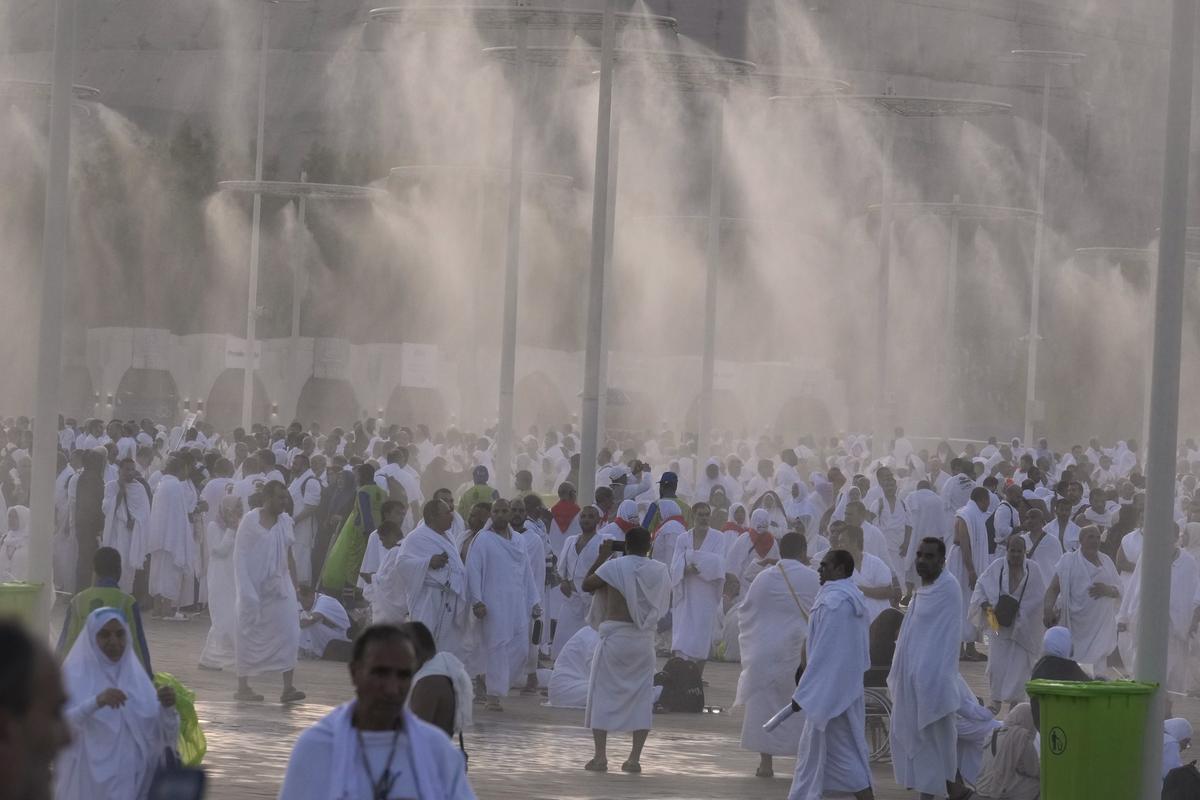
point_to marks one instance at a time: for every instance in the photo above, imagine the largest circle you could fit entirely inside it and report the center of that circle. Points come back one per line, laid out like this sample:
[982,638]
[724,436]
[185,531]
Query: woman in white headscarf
[14,546]
[120,725]
[1177,737]
[220,537]
[1011,769]
[777,521]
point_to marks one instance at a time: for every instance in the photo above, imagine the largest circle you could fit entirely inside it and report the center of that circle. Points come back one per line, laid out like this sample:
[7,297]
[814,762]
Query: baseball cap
[669,477]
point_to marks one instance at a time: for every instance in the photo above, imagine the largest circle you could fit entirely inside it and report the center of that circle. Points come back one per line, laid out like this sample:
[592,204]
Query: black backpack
[682,689]
[1182,783]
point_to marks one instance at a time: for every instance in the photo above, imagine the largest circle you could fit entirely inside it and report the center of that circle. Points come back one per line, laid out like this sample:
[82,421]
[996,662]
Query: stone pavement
[527,751]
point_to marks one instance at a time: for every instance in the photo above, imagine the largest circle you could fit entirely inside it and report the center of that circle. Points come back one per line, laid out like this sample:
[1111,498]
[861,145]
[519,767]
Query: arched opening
[223,409]
[727,412]
[626,410]
[413,405]
[328,401]
[537,401]
[147,393]
[78,397]
[803,415]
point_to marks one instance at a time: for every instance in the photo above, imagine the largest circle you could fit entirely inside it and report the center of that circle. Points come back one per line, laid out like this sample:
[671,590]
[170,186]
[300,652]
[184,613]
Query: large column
[1035,290]
[882,413]
[590,421]
[1160,529]
[715,185]
[512,272]
[55,251]
[255,223]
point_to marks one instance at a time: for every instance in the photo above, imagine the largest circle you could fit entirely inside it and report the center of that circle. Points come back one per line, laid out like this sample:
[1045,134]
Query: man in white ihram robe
[126,508]
[1084,597]
[434,578]
[832,752]
[174,553]
[502,594]
[697,579]
[631,593]
[923,680]
[268,620]
[773,627]
[1185,582]
[306,500]
[578,555]
[1012,649]
[968,559]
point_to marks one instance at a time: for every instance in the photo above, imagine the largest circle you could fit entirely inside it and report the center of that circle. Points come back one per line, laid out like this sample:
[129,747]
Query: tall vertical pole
[882,416]
[255,223]
[590,420]
[55,251]
[1035,286]
[614,163]
[951,367]
[708,359]
[1160,529]
[299,288]
[512,270]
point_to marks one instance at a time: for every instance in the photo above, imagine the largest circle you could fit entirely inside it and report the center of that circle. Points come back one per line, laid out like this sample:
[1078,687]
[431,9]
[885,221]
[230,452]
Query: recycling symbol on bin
[1058,741]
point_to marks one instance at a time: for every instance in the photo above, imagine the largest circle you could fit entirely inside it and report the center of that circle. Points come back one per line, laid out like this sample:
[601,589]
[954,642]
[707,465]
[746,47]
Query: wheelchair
[879,715]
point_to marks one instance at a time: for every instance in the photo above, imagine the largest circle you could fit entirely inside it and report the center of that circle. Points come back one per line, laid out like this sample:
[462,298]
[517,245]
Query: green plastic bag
[192,744]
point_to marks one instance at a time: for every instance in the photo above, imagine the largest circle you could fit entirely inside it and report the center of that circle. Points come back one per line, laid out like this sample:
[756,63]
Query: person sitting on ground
[568,684]
[105,593]
[1056,664]
[1177,737]
[441,691]
[120,724]
[323,621]
[1011,768]
[374,746]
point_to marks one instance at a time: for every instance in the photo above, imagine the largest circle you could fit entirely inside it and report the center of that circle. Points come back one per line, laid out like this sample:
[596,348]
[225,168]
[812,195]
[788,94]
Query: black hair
[376,633]
[792,545]
[107,563]
[637,540]
[941,545]
[430,508]
[842,560]
[389,506]
[421,636]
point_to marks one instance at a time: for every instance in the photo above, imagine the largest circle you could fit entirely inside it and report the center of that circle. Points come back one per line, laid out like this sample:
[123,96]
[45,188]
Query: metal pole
[299,287]
[590,420]
[1035,289]
[512,272]
[614,161]
[1160,528]
[885,259]
[951,411]
[54,259]
[255,221]
[704,434]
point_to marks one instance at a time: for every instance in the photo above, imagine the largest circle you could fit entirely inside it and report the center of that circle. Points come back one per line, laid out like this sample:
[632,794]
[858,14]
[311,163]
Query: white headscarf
[87,671]
[628,511]
[760,520]
[1057,642]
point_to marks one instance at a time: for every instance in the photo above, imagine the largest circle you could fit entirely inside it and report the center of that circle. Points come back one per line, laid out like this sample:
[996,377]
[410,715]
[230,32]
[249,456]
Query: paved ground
[528,751]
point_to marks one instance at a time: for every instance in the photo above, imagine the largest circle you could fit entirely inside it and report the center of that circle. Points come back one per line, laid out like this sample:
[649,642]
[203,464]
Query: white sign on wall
[235,353]
[418,366]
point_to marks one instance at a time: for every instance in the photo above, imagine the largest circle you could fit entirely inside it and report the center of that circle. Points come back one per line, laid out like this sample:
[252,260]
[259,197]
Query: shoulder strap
[795,597]
[1036,545]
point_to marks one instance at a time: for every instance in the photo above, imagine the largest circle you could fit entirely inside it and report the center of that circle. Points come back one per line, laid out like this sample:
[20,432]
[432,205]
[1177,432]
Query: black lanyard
[380,789]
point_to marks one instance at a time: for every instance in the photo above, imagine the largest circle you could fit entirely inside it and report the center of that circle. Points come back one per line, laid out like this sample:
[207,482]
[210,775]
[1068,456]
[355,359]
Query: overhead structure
[954,213]
[304,192]
[681,71]
[891,108]
[519,20]
[477,177]
[1048,62]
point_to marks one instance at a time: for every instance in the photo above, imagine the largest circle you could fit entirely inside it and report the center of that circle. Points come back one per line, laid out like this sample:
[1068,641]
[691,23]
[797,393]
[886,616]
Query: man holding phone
[634,591]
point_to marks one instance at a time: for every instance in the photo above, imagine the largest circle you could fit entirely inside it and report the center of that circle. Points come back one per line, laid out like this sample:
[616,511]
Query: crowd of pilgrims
[294,539]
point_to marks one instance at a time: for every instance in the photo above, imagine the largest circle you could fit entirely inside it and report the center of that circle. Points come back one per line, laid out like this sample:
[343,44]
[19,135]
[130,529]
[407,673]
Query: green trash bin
[20,600]
[1091,737]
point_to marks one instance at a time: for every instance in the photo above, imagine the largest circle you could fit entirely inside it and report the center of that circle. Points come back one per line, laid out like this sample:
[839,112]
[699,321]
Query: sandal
[596,765]
[292,696]
[632,767]
[248,696]
[493,705]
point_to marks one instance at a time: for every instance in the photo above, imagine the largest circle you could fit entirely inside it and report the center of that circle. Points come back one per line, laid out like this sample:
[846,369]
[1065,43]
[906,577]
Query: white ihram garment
[1012,650]
[436,597]
[696,599]
[221,644]
[572,569]
[127,526]
[268,630]
[498,576]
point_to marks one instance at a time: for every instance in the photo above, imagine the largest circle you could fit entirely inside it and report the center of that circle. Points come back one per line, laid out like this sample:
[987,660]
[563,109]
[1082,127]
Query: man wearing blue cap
[668,484]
